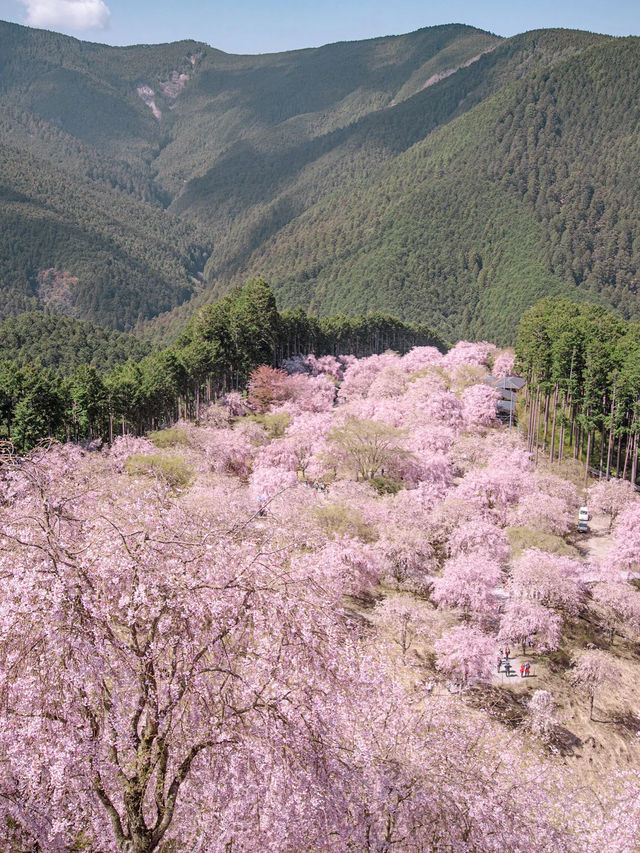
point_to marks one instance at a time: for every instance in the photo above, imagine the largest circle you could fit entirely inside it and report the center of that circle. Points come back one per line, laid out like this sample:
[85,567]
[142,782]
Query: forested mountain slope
[46,340]
[533,191]
[146,120]
[87,250]
[446,176]
[262,184]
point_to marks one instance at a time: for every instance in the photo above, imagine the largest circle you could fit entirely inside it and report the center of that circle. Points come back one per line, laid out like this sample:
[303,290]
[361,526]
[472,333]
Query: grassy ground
[595,747]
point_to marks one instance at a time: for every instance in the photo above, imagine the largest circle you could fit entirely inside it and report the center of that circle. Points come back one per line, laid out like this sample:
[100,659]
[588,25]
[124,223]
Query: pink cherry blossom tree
[306,437]
[327,364]
[625,553]
[408,558]
[611,497]
[466,653]
[443,407]
[491,490]
[419,358]
[153,672]
[429,438]
[344,563]
[360,374]
[594,670]
[553,580]
[402,619]
[618,605]
[466,352]
[125,446]
[391,381]
[525,621]
[230,451]
[503,364]
[479,407]
[268,481]
[236,403]
[431,470]
[542,716]
[479,537]
[542,511]
[468,584]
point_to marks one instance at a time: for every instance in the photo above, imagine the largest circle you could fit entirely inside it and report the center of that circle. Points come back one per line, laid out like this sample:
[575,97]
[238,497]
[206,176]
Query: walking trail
[595,546]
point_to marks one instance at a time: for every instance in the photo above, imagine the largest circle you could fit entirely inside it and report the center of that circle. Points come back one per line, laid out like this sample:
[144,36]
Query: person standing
[527,670]
[521,670]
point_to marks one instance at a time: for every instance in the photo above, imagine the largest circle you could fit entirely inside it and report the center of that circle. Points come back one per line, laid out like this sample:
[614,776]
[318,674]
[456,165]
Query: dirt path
[595,545]
[514,680]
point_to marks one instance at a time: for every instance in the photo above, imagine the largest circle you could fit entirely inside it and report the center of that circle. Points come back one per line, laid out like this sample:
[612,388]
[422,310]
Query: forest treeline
[337,173]
[116,260]
[582,366]
[44,392]
[48,340]
[531,193]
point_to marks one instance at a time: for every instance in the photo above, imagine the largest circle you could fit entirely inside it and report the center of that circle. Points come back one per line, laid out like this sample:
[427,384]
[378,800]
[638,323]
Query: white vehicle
[583,514]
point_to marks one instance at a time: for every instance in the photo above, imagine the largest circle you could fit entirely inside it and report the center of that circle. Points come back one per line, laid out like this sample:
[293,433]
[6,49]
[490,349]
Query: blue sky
[261,26]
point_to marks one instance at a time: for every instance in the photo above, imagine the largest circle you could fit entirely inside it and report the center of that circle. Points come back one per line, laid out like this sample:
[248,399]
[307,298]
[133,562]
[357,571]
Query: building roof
[507,383]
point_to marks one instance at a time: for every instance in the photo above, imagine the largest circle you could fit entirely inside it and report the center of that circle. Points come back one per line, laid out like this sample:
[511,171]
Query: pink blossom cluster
[267,660]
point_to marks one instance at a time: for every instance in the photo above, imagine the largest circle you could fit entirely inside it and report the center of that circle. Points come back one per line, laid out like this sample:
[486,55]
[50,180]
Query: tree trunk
[553,426]
[610,445]
[618,458]
[562,428]
[536,423]
[546,422]
[627,445]
[586,466]
[530,425]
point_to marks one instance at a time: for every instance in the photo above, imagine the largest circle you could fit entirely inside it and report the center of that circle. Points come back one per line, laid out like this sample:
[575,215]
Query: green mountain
[446,176]
[49,341]
[533,191]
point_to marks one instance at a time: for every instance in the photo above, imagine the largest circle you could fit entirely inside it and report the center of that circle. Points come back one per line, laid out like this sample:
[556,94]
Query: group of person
[504,659]
[317,486]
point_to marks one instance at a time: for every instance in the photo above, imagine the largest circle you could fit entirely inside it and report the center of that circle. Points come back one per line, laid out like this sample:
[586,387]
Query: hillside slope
[144,121]
[532,191]
[447,176]
[87,250]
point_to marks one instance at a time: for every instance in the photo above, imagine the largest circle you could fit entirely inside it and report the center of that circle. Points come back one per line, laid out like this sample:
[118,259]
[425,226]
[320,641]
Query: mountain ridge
[256,158]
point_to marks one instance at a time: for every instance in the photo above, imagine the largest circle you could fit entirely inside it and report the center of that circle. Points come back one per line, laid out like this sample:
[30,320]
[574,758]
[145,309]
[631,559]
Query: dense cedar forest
[65,379]
[48,340]
[446,176]
[533,191]
[582,366]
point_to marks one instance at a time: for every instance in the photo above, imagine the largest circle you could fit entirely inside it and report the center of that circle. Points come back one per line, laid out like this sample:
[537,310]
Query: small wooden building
[508,386]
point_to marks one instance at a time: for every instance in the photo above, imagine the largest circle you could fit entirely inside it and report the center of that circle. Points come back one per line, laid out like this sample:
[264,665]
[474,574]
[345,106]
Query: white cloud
[67,14]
